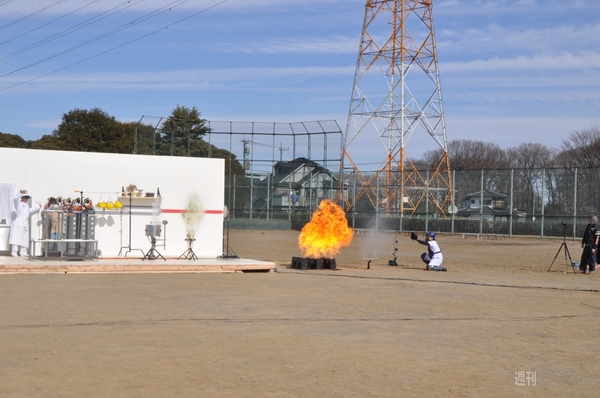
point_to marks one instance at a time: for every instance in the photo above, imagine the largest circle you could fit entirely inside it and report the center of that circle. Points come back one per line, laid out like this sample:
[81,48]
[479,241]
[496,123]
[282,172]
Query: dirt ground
[485,328]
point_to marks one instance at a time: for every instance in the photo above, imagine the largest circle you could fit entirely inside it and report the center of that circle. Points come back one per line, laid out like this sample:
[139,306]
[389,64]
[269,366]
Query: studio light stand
[563,246]
[152,231]
[228,252]
[189,253]
[128,247]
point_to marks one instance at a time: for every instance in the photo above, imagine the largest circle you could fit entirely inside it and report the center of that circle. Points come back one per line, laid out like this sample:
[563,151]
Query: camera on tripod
[565,248]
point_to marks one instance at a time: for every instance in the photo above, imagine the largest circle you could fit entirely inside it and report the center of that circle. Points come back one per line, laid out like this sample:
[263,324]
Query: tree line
[96,131]
[180,134]
[537,170]
[541,177]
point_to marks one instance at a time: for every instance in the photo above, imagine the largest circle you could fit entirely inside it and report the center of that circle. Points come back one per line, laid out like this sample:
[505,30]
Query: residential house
[494,207]
[300,183]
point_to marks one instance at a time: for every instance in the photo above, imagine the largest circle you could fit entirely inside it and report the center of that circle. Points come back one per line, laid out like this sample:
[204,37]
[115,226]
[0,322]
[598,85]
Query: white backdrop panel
[100,176]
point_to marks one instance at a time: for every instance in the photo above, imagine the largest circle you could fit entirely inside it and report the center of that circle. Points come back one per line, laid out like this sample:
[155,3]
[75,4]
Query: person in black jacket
[589,243]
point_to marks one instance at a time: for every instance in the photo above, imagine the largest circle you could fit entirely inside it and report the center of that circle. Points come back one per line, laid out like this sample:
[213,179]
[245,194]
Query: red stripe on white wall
[179,211]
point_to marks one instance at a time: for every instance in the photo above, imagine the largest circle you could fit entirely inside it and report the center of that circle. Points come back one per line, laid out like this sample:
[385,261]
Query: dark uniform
[588,243]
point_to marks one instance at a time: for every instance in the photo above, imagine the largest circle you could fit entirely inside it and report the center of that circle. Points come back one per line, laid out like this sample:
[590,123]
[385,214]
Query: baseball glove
[414,236]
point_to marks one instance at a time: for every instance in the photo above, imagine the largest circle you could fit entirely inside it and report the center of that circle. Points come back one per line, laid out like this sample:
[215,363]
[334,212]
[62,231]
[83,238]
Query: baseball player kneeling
[433,258]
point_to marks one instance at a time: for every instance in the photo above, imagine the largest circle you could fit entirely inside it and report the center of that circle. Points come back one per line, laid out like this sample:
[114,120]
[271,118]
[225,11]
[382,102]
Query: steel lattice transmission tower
[396,96]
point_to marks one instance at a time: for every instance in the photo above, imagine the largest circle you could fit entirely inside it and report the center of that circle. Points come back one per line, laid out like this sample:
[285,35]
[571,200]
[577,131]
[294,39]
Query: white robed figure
[19,231]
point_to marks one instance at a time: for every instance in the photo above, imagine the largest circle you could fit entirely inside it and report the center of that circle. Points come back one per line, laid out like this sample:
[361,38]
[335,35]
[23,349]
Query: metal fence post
[452,201]
[310,194]
[377,202]
[542,209]
[290,199]
[268,195]
[154,142]
[481,205]
[251,196]
[354,200]
[233,203]
[427,201]
[575,204]
[512,190]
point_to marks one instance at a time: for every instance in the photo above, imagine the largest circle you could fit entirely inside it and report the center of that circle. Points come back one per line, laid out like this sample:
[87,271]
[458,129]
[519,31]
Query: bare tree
[528,161]
[582,148]
[470,155]
[560,185]
[469,158]
[582,151]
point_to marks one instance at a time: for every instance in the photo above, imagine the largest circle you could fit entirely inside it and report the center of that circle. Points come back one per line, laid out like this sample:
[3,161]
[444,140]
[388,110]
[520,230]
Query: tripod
[189,253]
[153,254]
[129,249]
[230,252]
[568,261]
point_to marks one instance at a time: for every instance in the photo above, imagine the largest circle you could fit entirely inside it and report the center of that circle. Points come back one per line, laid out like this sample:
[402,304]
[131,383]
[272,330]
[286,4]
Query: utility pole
[281,149]
[246,155]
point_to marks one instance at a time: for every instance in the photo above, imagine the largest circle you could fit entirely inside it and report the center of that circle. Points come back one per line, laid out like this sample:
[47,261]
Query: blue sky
[512,71]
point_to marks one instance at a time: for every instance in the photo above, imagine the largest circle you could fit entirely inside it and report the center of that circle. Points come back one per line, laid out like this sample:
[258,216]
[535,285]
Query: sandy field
[497,324]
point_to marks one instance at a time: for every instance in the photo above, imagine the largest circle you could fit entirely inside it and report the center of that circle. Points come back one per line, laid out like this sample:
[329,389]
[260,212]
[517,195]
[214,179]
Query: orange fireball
[326,232]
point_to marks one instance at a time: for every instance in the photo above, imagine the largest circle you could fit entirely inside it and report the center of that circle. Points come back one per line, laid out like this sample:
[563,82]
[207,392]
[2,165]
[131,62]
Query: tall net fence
[284,170]
[549,202]
[536,202]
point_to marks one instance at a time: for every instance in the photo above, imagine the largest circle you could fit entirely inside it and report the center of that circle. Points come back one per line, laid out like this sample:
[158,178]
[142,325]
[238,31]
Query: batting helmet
[431,233]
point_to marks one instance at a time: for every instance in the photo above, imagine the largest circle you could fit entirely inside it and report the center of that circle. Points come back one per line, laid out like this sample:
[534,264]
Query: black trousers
[587,259]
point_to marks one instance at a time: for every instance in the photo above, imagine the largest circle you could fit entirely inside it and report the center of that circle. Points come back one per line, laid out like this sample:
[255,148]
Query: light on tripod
[152,231]
[230,253]
[129,249]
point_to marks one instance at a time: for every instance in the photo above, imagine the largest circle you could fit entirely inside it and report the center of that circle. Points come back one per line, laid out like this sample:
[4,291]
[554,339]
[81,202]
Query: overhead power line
[75,28]
[48,23]
[116,47]
[32,14]
[3,3]
[104,35]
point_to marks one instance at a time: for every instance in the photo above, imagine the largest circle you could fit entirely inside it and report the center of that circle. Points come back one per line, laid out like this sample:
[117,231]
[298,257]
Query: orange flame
[326,232]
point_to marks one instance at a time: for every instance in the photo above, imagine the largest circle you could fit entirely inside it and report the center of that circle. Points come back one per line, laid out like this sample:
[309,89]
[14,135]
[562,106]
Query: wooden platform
[12,265]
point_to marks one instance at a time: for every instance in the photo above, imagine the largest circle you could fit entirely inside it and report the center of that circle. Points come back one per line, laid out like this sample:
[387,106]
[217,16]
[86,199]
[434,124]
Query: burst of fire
[326,232]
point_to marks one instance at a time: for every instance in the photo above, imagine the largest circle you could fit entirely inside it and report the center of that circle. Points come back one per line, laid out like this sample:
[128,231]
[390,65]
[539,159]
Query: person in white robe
[19,231]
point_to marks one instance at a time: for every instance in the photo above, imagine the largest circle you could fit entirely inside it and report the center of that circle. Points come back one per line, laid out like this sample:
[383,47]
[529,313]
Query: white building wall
[100,175]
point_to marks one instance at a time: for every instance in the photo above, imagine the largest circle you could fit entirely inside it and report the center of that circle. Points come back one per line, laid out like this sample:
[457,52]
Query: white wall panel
[100,175]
